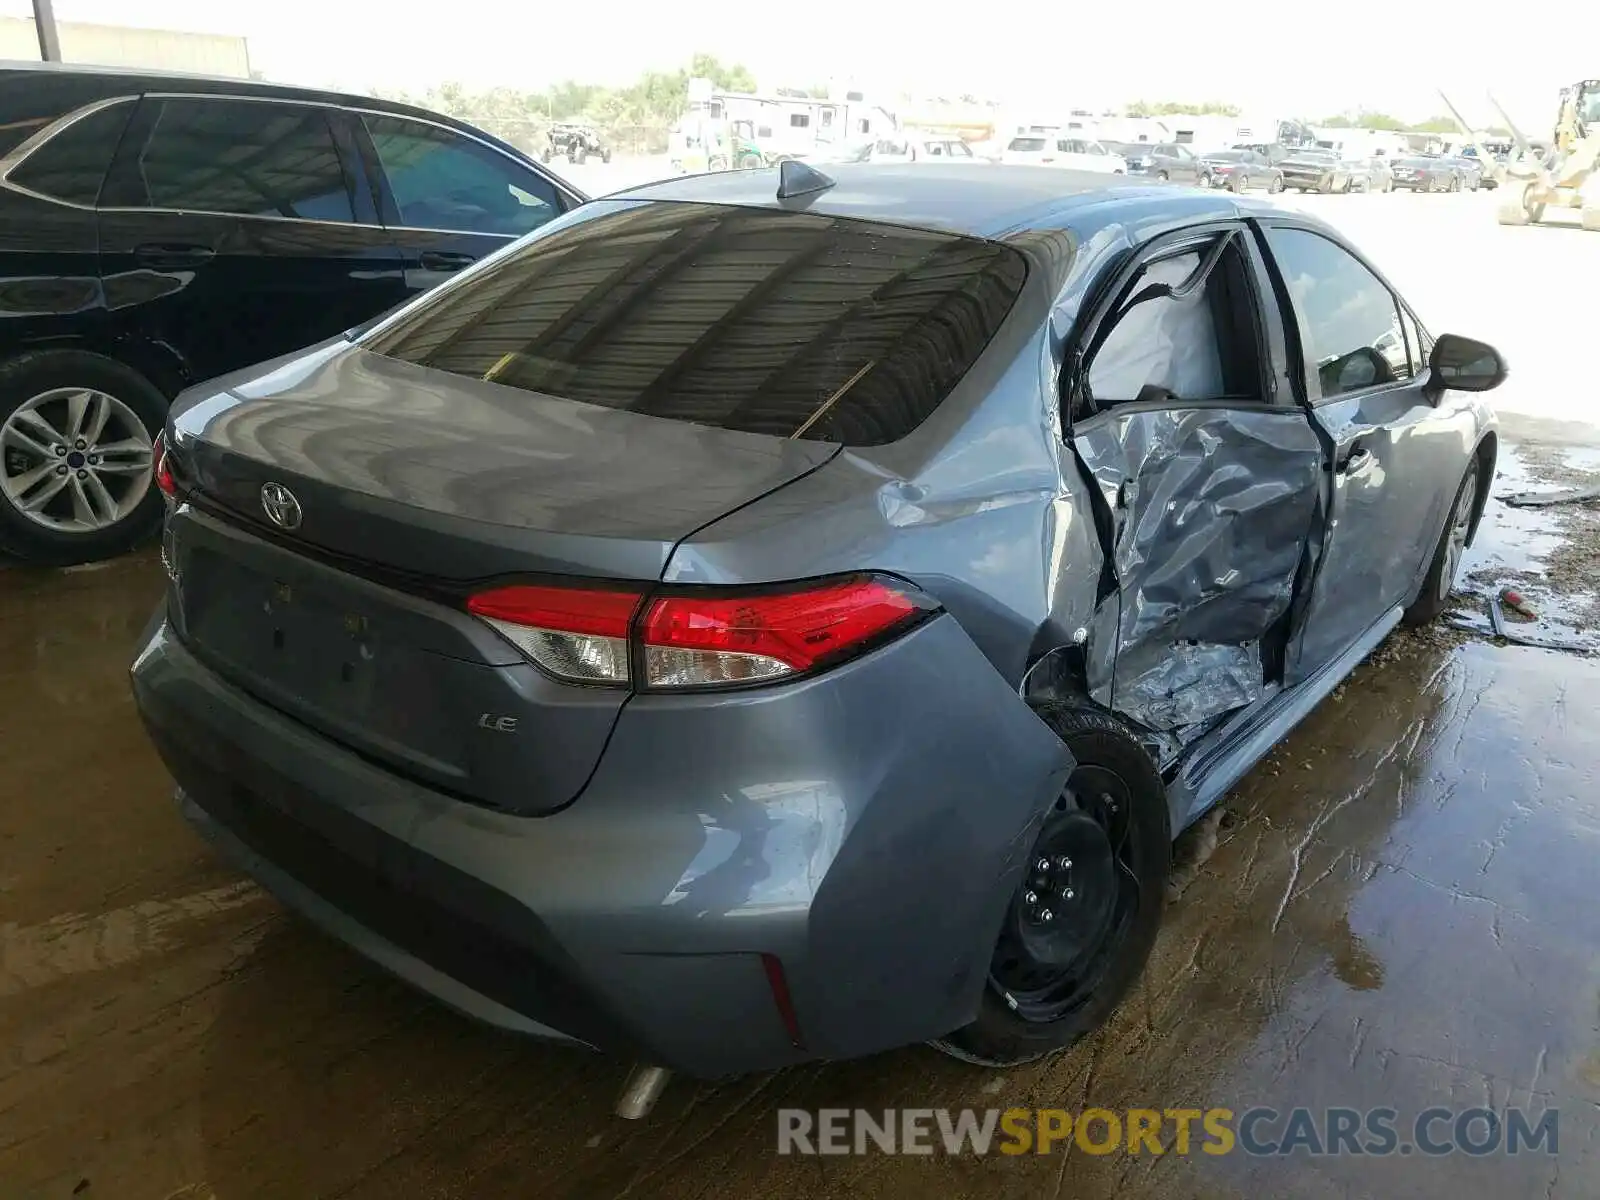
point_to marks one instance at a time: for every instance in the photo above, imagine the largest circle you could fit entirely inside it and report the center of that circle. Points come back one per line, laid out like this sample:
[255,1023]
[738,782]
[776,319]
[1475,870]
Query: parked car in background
[163,229]
[1425,173]
[575,143]
[1273,152]
[1136,154]
[1314,169]
[1059,150]
[1180,164]
[904,148]
[577,643]
[1488,172]
[1371,175]
[1241,170]
[1469,171]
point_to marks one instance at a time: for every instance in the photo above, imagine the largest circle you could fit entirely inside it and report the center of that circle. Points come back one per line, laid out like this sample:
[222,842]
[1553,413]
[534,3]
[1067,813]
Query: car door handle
[168,255]
[1359,459]
[445,260]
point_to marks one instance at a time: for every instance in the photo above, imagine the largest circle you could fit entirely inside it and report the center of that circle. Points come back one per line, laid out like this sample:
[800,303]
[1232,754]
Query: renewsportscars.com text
[1255,1131]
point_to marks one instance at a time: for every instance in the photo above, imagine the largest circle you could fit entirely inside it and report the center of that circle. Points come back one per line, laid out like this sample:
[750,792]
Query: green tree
[1365,119]
[732,78]
[1175,108]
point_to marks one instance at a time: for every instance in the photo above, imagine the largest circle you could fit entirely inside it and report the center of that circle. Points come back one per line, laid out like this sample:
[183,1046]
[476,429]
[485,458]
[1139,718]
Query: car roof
[113,81]
[976,199]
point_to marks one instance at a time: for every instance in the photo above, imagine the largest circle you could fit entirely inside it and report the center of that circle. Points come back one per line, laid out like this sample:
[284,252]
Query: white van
[1063,150]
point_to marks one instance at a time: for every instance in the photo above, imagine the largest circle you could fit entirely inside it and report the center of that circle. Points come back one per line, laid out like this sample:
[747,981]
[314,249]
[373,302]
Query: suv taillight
[163,469]
[707,637]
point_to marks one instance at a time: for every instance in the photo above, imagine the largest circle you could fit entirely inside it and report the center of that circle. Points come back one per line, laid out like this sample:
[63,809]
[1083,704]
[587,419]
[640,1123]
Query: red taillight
[163,469]
[706,638]
[577,634]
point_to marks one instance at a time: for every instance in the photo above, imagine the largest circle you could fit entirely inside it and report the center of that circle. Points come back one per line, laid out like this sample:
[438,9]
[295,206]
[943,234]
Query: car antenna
[795,178]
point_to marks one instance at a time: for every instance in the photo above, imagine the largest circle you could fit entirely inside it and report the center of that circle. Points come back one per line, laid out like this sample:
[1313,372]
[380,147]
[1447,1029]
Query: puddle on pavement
[1394,909]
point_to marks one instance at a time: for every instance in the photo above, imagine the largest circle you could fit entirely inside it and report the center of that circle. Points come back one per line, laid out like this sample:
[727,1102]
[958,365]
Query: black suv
[159,230]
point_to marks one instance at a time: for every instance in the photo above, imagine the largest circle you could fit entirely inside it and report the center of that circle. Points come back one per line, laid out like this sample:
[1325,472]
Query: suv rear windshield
[1027,145]
[783,323]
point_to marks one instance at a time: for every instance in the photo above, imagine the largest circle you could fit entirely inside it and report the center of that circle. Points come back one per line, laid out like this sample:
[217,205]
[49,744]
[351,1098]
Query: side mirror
[1464,365]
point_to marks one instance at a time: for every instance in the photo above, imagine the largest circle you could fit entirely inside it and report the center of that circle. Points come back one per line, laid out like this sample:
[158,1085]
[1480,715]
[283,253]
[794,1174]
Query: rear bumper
[866,829]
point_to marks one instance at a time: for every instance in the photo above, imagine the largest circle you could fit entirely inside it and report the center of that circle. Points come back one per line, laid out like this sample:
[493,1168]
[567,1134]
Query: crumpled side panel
[1212,508]
[1189,683]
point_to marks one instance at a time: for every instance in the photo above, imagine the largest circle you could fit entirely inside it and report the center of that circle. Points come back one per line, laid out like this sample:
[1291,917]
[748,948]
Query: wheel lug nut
[79,444]
[61,451]
[1043,865]
[62,469]
[1064,863]
[1030,898]
[94,460]
[83,474]
[1067,893]
[1046,916]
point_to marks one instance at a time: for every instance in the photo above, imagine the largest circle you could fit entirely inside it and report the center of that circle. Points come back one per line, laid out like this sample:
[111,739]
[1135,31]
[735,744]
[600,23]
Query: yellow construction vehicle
[1568,174]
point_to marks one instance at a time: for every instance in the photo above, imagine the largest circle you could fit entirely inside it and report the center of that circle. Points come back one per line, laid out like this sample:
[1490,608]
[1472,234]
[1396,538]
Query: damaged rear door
[1207,474]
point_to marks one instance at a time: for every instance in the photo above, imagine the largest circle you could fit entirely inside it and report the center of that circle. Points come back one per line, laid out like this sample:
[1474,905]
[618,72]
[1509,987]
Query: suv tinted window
[1351,320]
[442,180]
[783,323]
[72,165]
[250,157]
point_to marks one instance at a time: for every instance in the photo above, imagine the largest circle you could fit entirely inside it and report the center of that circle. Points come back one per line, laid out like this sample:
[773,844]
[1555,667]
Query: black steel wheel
[1079,927]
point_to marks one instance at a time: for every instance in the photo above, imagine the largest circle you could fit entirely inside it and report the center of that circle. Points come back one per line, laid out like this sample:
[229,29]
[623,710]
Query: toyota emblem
[282,509]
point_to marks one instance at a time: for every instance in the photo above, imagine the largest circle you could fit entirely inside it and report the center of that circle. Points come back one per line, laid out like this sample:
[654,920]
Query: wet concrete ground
[1399,911]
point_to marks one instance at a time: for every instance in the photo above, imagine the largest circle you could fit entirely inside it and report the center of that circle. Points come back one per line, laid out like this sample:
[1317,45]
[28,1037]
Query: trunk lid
[452,478]
[411,484]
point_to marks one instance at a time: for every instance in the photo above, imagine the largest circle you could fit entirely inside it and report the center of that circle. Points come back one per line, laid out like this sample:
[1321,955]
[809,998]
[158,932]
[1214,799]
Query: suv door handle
[184,254]
[445,260]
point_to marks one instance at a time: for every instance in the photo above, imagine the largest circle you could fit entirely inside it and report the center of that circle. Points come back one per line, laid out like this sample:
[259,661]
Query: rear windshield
[1027,144]
[782,323]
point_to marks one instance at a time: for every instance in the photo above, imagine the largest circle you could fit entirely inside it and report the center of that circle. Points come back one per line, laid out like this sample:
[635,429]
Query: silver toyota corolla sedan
[775,616]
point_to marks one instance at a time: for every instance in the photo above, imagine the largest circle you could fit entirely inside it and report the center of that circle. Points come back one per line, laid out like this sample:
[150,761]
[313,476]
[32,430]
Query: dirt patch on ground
[1564,587]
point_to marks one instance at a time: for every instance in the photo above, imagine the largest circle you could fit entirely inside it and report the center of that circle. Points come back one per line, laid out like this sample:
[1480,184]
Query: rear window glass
[72,165]
[782,323]
[1026,144]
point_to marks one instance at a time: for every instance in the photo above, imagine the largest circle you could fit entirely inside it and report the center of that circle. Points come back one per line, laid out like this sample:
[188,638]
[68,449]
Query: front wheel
[1079,929]
[1276,185]
[1161,176]
[76,457]
[1434,599]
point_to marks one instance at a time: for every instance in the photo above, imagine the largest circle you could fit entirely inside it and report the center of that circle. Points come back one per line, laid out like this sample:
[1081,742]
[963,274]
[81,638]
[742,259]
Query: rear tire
[1161,176]
[133,399]
[1276,186]
[1434,599]
[1107,928]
